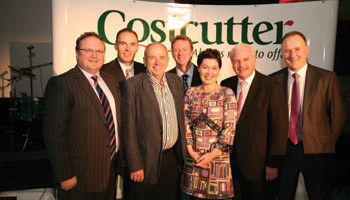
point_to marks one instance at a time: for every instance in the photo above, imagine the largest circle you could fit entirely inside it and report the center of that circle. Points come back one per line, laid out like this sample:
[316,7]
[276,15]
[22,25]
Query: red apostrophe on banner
[289,22]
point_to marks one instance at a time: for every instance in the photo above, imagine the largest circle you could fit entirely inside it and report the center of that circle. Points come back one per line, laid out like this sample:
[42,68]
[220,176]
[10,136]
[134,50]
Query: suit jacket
[75,130]
[196,80]
[262,129]
[113,68]
[323,114]
[142,125]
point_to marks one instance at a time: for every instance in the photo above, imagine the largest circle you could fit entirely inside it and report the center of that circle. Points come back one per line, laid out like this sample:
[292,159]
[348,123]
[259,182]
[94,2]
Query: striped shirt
[167,111]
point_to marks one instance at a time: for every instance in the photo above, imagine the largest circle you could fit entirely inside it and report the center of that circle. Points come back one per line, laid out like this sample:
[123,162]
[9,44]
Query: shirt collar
[154,81]
[189,72]
[124,67]
[249,80]
[301,72]
[87,74]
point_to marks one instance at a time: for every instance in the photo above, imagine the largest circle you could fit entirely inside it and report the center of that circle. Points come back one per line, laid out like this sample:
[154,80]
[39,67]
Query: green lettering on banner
[184,27]
[218,33]
[257,32]
[101,24]
[229,25]
[245,23]
[145,28]
[158,31]
[279,33]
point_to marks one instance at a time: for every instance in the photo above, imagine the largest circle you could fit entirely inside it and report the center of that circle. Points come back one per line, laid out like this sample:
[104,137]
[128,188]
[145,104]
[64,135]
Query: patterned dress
[221,107]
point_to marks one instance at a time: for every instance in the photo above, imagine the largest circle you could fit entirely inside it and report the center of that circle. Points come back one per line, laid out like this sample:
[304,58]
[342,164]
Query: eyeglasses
[90,51]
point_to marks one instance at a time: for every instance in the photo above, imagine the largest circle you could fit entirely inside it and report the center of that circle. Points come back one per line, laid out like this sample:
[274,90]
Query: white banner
[220,27]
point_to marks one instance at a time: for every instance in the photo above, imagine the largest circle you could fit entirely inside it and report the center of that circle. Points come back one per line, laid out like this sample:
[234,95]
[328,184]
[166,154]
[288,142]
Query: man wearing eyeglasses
[81,125]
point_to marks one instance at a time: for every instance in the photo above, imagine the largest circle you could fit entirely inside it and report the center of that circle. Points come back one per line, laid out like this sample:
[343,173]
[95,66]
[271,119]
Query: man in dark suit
[82,143]
[261,129]
[154,128]
[182,51]
[317,116]
[124,66]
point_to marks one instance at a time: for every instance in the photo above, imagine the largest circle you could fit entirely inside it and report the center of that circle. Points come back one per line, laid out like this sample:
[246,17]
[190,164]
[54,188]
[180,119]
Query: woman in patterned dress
[207,173]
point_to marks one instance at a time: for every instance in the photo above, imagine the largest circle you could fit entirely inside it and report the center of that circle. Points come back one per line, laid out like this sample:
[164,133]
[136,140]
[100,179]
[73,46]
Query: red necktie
[295,115]
[108,114]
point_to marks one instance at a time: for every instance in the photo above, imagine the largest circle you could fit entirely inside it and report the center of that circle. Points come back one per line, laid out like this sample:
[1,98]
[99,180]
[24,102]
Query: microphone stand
[30,56]
[3,84]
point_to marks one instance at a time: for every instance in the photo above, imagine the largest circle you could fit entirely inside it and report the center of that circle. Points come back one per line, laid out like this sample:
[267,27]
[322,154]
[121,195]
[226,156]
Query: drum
[25,109]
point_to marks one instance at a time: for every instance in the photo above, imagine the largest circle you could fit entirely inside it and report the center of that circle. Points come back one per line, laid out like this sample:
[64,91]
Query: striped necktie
[108,114]
[127,73]
[184,81]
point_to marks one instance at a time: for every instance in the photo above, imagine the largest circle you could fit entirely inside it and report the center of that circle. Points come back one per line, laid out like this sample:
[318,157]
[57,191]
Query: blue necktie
[108,114]
[184,81]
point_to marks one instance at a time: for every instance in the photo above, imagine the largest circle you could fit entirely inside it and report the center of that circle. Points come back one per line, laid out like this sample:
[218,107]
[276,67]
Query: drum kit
[25,113]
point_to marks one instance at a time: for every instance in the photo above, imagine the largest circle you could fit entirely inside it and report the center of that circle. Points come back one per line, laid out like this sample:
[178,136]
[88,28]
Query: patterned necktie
[108,114]
[127,73]
[241,98]
[184,81]
[295,117]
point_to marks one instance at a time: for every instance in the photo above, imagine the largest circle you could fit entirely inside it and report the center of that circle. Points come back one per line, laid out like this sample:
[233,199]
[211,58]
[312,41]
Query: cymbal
[19,70]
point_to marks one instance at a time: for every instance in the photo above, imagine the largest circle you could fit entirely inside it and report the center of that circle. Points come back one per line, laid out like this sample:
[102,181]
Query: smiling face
[91,61]
[182,53]
[156,60]
[127,47]
[294,52]
[209,71]
[243,61]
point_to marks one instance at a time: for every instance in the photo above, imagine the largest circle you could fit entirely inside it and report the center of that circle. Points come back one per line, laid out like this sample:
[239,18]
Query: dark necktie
[184,81]
[295,115]
[108,114]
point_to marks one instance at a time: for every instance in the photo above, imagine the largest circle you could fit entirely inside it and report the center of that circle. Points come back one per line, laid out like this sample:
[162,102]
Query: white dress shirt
[110,98]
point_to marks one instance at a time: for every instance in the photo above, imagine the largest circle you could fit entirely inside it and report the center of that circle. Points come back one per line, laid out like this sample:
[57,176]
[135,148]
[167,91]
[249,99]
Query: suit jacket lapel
[113,89]
[196,79]
[86,87]
[138,68]
[234,84]
[119,70]
[149,93]
[250,96]
[173,90]
[310,82]
[284,80]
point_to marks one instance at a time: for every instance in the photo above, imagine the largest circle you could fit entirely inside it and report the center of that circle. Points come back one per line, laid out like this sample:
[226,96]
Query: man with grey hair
[261,128]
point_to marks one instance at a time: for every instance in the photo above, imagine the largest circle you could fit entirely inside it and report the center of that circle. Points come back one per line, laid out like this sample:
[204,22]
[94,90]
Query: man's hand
[137,176]
[69,184]
[271,173]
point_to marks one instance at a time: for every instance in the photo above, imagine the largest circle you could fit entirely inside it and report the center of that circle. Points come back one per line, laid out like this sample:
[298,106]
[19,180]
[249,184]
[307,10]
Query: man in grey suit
[317,116]
[83,143]
[154,129]
[182,52]
[124,66]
